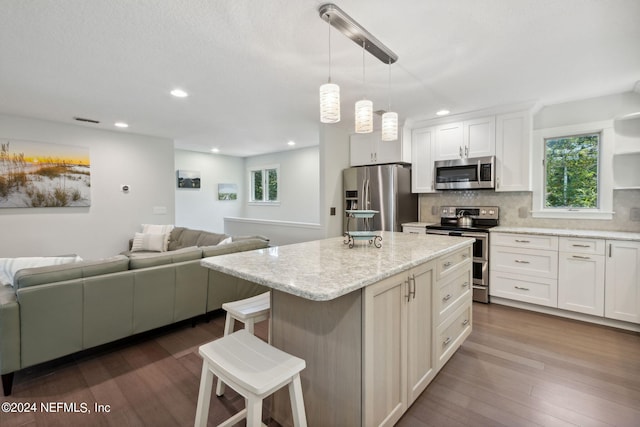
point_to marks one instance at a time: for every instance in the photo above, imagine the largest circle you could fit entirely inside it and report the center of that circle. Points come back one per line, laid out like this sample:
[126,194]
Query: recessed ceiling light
[443,112]
[121,125]
[291,143]
[179,93]
[215,150]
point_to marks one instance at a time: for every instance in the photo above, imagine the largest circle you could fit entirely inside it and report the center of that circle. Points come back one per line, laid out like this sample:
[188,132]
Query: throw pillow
[10,266]
[158,229]
[150,242]
[225,241]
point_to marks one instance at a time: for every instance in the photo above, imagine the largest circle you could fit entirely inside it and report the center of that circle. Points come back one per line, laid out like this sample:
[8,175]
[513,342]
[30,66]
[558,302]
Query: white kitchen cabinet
[479,137]
[420,364]
[581,274]
[622,290]
[470,138]
[524,268]
[449,141]
[369,149]
[398,356]
[422,143]
[513,151]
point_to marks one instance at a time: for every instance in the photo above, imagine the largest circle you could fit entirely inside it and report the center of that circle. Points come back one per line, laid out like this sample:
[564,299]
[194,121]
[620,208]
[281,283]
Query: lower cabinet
[592,276]
[622,290]
[581,275]
[413,323]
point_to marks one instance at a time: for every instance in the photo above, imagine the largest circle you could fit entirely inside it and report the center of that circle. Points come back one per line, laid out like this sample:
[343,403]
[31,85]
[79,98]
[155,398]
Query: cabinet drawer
[582,245]
[530,241]
[522,288]
[532,262]
[452,293]
[452,333]
[449,263]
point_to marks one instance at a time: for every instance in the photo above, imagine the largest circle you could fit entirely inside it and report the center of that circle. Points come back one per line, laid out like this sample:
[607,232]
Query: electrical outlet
[332,211]
[635,214]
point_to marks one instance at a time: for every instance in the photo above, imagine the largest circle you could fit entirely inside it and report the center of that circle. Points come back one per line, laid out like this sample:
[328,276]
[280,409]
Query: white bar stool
[255,370]
[248,311]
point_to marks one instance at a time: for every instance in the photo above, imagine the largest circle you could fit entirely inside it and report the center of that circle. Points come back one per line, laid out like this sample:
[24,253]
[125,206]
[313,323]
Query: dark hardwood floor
[517,368]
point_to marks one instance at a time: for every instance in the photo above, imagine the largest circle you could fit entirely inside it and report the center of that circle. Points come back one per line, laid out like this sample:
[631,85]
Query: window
[264,184]
[572,173]
[571,169]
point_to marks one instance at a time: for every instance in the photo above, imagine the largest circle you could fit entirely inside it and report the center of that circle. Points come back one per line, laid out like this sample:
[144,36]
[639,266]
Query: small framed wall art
[188,179]
[227,192]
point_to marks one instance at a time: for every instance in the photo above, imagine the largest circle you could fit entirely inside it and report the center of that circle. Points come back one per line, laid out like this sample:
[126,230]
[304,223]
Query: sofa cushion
[181,237]
[57,273]
[235,246]
[10,266]
[151,259]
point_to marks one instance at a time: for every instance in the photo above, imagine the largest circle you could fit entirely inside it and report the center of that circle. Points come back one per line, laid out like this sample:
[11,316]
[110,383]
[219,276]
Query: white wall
[334,157]
[103,229]
[200,208]
[298,188]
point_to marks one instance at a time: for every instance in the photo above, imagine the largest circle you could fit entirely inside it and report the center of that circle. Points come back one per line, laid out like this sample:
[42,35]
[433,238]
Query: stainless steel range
[471,221]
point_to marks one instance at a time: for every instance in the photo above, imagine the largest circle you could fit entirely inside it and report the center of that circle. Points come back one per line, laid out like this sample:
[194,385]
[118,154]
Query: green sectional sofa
[58,310]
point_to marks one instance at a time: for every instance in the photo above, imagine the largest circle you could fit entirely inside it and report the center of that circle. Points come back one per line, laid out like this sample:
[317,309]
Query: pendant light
[389,119]
[329,94]
[364,107]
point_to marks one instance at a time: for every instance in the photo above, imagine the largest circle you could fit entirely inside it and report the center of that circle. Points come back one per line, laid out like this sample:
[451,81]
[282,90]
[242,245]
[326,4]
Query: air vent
[379,112]
[82,119]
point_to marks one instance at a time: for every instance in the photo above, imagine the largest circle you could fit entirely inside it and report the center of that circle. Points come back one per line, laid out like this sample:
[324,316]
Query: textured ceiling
[253,68]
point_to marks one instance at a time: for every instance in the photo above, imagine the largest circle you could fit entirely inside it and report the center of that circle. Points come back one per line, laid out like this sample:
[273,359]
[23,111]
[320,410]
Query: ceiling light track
[350,28]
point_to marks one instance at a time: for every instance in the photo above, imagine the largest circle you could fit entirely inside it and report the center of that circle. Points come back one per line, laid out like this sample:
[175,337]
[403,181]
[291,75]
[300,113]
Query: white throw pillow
[10,266]
[158,229]
[225,241]
[149,242]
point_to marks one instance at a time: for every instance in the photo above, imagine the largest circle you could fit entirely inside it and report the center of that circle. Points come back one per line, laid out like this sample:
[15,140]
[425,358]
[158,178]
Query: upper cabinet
[369,149]
[470,138]
[422,143]
[513,151]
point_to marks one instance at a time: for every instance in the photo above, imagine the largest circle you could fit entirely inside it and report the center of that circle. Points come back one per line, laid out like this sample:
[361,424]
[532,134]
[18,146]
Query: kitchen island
[373,324]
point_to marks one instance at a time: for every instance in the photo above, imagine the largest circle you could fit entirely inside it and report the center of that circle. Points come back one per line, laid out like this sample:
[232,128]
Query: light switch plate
[635,214]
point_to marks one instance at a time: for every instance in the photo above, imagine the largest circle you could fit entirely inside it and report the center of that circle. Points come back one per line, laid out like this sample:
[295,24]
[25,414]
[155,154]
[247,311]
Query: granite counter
[597,234]
[323,270]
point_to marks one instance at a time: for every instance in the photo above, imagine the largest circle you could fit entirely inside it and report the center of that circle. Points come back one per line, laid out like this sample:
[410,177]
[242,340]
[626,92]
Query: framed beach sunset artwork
[41,175]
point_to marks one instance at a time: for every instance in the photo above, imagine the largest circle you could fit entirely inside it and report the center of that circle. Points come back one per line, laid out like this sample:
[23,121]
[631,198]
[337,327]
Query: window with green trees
[264,184]
[571,167]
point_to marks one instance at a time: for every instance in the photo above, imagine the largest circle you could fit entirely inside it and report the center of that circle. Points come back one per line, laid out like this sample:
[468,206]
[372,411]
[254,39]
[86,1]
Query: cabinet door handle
[446,342]
[609,250]
[465,284]
[522,241]
[466,151]
[447,264]
[520,261]
[581,246]
[521,288]
[465,322]
[580,257]
[460,151]
[412,292]
[447,297]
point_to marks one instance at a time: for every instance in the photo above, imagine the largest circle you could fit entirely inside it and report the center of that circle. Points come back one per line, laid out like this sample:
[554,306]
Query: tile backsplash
[515,209]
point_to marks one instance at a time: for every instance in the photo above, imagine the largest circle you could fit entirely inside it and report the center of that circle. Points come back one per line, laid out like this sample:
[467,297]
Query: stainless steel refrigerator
[384,188]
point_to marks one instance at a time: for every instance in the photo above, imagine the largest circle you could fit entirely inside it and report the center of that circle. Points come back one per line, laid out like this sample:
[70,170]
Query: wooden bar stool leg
[204,396]
[297,402]
[254,412]
[249,326]
[229,324]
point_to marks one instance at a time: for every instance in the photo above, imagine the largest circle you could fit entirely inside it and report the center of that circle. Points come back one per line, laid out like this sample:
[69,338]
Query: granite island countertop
[323,270]
[597,234]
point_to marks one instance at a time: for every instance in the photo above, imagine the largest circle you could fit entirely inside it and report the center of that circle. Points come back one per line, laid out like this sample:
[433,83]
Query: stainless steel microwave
[465,174]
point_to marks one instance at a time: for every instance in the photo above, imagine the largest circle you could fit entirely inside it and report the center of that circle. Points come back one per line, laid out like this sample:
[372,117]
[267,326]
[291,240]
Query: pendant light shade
[390,126]
[329,94]
[364,116]
[329,103]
